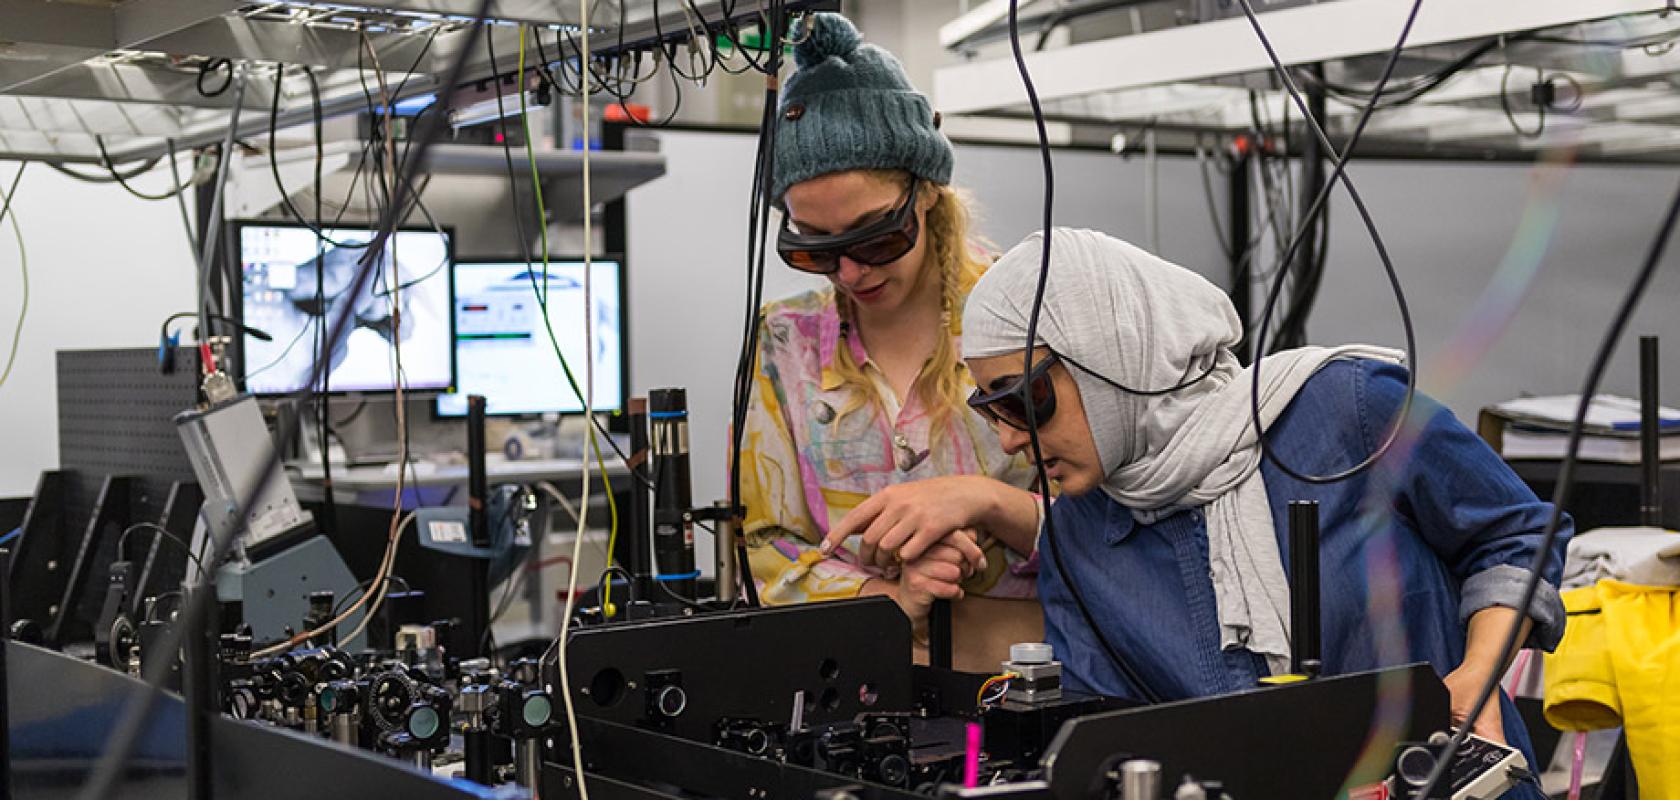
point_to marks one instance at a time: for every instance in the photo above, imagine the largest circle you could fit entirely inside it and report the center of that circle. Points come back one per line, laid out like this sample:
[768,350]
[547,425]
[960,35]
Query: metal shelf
[131,71]
[1212,75]
[468,190]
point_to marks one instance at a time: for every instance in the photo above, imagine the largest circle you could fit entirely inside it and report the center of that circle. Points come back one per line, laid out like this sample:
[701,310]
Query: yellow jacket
[1619,664]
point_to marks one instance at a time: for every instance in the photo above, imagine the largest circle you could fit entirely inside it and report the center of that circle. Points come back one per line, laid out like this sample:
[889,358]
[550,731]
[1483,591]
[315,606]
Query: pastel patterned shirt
[804,465]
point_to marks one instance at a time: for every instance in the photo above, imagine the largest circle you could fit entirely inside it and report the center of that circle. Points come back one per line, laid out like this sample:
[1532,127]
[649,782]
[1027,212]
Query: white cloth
[1641,556]
[1149,324]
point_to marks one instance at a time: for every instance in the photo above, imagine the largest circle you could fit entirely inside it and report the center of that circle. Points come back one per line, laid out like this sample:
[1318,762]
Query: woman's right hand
[900,523]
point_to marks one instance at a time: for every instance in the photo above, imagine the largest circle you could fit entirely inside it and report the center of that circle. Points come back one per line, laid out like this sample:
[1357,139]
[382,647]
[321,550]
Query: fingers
[963,542]
[957,548]
[855,522]
[948,554]
[888,549]
[940,579]
[869,543]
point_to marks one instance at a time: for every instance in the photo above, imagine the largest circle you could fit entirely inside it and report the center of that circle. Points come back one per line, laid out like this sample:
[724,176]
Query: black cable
[1338,173]
[159,532]
[17,177]
[1121,664]
[530,267]
[140,169]
[544,67]
[670,49]
[274,169]
[1510,115]
[329,506]
[236,324]
[122,180]
[290,346]
[181,197]
[209,66]
[601,582]
[1565,481]
[757,230]
[134,717]
[622,97]
[730,31]
[1411,89]
[1213,363]
[362,587]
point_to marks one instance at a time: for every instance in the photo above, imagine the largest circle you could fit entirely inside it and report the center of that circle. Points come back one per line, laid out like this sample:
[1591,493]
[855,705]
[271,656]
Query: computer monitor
[282,265]
[503,352]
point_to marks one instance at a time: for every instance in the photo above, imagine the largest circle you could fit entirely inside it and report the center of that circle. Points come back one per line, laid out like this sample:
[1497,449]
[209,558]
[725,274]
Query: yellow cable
[589,375]
[542,301]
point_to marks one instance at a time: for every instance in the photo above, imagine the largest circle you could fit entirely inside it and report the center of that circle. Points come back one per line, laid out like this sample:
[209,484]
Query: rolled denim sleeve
[1472,509]
[1503,585]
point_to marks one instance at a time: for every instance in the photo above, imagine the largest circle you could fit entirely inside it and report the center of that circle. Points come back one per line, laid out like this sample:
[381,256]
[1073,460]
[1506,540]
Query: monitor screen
[505,355]
[284,267]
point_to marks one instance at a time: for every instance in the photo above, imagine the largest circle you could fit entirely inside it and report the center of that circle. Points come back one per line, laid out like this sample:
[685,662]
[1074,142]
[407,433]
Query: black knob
[242,703]
[671,701]
[893,770]
[1414,764]
[28,632]
[294,689]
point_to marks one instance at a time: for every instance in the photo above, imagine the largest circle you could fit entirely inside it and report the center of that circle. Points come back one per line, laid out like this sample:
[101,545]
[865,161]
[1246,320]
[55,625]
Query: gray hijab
[1150,324]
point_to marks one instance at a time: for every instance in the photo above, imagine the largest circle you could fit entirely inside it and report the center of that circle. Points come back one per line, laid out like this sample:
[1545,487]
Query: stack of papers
[1538,428]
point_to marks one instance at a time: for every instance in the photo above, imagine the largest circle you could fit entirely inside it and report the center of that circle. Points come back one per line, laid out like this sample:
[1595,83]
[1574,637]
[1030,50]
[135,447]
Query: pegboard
[116,412]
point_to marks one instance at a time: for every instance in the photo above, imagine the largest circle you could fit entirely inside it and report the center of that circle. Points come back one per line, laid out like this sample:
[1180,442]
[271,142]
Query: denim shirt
[1446,512]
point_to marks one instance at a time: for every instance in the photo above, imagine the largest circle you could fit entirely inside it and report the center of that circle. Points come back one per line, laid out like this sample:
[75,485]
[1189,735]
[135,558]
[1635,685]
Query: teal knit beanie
[850,106]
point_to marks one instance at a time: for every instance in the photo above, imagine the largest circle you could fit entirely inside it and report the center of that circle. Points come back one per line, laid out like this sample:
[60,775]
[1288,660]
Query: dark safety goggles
[1008,405]
[881,242]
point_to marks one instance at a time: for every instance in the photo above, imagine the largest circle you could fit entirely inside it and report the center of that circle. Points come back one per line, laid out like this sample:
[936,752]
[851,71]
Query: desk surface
[425,473]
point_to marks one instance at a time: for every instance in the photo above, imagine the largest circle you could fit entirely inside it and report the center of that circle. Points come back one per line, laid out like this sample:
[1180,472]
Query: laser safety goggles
[1009,405]
[881,242]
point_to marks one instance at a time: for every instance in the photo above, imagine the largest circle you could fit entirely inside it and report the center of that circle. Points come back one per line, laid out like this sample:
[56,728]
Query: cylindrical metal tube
[1650,435]
[726,566]
[478,482]
[421,759]
[527,762]
[639,546]
[1140,779]
[478,528]
[344,729]
[480,764]
[673,526]
[199,689]
[940,635]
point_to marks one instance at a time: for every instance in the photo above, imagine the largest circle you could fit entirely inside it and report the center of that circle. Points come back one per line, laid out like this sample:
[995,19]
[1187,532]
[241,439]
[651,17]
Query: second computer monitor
[503,352]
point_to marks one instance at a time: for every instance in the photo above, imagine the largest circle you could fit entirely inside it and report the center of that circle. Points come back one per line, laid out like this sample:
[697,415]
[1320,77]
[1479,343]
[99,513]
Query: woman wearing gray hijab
[1170,522]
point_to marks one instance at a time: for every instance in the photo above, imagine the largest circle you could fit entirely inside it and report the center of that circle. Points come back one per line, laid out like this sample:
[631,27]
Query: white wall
[105,268]
[1449,225]
[687,254]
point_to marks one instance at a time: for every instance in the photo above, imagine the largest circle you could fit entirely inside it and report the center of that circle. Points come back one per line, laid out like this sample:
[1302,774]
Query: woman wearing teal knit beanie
[860,396]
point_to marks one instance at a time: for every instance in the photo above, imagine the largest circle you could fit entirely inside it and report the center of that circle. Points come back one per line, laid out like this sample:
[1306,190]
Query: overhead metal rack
[1195,67]
[140,74]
